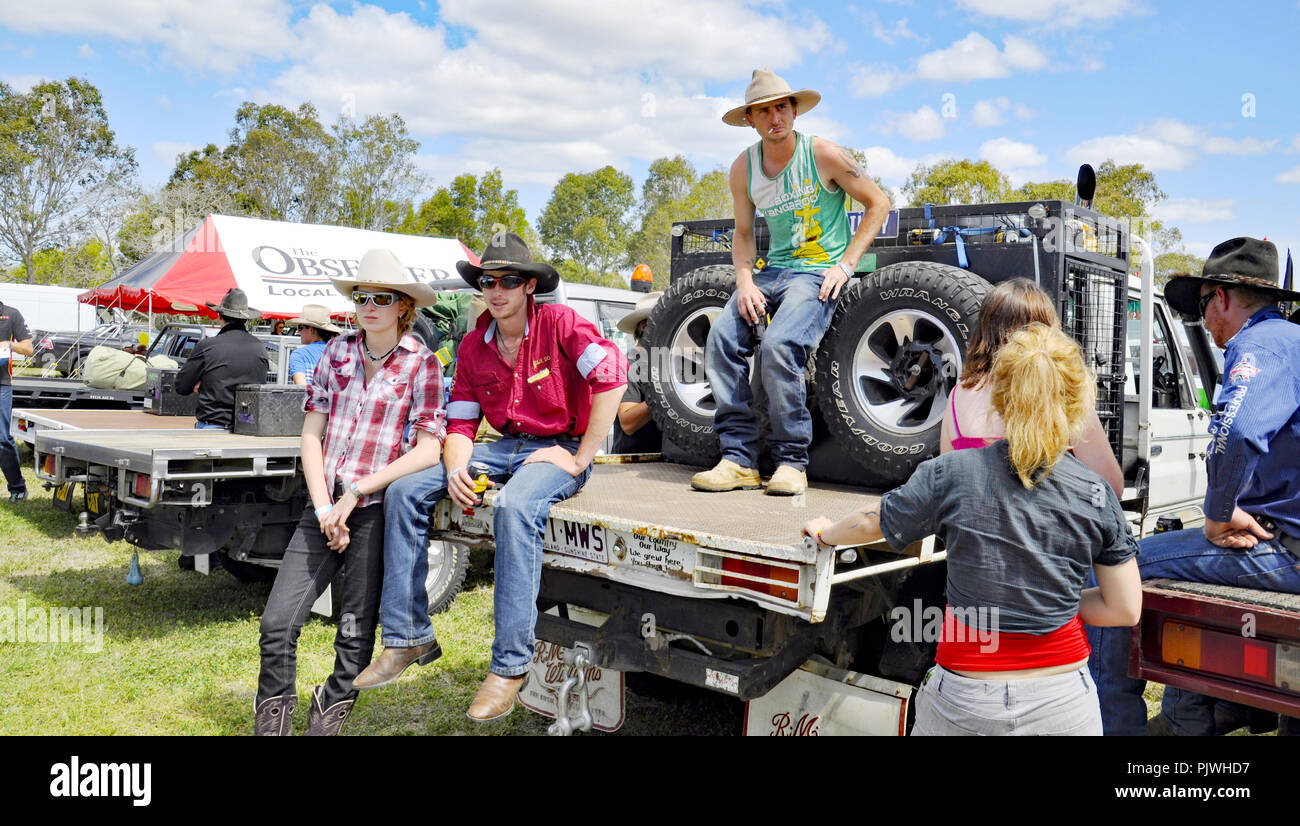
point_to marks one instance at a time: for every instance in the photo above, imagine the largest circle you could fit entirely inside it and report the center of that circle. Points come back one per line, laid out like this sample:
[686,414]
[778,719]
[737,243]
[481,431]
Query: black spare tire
[889,361]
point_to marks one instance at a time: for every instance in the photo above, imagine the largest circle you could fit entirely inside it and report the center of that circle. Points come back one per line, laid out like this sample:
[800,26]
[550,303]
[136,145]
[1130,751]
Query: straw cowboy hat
[766,86]
[318,316]
[640,313]
[507,251]
[380,268]
[1239,262]
[234,304]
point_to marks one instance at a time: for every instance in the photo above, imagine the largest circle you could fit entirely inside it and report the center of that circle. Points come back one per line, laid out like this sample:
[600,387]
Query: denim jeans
[9,462]
[949,704]
[799,320]
[518,522]
[1185,555]
[309,565]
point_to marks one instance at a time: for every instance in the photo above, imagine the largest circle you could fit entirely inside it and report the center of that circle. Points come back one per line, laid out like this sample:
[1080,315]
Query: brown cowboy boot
[390,664]
[495,698]
[327,722]
[274,716]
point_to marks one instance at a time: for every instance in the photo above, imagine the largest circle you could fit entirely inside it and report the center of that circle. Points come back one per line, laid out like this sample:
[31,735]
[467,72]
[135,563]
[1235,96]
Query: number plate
[589,542]
[548,671]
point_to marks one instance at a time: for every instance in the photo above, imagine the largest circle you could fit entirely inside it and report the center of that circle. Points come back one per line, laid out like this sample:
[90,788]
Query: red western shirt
[562,361]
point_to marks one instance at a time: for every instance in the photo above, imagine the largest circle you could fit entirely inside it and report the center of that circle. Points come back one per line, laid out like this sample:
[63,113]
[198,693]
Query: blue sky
[1201,93]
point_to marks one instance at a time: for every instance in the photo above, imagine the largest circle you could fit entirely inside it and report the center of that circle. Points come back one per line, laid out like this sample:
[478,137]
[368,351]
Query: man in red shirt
[545,378]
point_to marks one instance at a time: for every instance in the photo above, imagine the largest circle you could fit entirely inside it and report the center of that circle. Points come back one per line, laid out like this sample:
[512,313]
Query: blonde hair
[407,319]
[1043,391]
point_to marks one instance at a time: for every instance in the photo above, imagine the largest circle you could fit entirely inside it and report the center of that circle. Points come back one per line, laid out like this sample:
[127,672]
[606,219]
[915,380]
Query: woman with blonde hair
[1024,522]
[971,420]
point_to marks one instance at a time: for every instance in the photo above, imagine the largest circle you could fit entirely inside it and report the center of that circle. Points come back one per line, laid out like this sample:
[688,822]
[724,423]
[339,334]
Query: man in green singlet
[800,184]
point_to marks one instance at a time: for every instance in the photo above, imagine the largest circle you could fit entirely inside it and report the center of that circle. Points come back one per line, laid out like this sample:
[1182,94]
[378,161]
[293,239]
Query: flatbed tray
[74,419]
[154,451]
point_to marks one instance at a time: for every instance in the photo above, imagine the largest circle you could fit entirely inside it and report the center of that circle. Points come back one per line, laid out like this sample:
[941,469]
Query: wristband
[820,541]
[848,271]
[355,491]
[453,473]
[322,511]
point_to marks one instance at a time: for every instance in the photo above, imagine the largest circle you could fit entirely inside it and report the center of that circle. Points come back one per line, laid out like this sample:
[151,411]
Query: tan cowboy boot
[389,665]
[787,481]
[727,475]
[495,698]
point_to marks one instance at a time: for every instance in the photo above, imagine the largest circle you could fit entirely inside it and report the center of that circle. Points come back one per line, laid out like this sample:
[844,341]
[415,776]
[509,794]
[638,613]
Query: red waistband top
[962,648]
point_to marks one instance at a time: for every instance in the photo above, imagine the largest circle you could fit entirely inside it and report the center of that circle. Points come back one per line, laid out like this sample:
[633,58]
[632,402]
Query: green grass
[180,651]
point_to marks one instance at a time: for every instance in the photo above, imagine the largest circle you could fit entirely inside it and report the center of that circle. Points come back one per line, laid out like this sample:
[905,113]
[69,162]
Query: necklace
[366,345]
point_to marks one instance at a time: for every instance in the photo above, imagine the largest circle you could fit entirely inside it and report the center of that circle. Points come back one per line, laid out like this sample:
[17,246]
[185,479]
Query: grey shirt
[1026,552]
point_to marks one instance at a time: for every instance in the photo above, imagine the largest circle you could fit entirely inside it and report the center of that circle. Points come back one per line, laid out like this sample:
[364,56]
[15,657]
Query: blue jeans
[1185,555]
[799,320]
[519,521]
[9,461]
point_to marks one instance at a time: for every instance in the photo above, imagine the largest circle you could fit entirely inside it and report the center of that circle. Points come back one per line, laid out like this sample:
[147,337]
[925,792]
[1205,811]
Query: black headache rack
[1079,257]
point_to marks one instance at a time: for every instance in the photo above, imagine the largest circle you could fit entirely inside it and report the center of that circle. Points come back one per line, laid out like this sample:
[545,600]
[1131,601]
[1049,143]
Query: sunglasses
[378,299]
[508,282]
[1205,300]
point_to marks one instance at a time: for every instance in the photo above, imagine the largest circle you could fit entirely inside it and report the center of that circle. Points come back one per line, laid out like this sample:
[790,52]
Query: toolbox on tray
[160,396]
[269,409]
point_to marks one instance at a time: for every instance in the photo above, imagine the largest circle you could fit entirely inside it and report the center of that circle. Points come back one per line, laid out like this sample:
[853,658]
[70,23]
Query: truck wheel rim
[437,557]
[904,368]
[687,373]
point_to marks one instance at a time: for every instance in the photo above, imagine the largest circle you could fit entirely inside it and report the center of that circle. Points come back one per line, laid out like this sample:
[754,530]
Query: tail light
[46,344]
[49,465]
[141,485]
[778,581]
[1231,655]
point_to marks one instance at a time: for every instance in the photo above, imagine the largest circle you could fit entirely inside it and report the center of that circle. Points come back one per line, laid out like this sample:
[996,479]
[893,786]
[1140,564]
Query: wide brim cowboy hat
[318,316]
[234,304]
[644,305]
[507,251]
[765,87]
[1239,262]
[380,268]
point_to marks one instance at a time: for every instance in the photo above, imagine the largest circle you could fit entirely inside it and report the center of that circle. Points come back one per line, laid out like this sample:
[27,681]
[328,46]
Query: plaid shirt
[562,361]
[366,422]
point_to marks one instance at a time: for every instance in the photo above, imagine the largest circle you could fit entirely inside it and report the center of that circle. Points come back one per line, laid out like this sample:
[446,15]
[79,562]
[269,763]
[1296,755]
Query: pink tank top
[959,441]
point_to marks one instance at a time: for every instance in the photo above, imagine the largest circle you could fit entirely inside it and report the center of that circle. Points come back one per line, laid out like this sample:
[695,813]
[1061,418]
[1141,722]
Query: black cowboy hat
[1240,262]
[507,251]
[234,304]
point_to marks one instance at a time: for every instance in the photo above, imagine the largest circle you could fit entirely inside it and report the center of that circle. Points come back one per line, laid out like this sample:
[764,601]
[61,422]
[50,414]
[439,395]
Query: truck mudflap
[1235,644]
[818,700]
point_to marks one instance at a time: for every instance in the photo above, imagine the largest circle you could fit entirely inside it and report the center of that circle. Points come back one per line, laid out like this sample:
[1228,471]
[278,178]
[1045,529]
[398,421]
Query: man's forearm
[744,255]
[604,407]
[868,228]
[456,452]
[22,348]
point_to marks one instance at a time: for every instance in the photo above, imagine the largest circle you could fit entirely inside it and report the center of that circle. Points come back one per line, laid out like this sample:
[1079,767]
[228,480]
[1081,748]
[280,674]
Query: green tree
[86,264]
[471,209]
[1170,263]
[285,162]
[673,192]
[956,182]
[1047,191]
[586,220]
[377,172]
[56,151]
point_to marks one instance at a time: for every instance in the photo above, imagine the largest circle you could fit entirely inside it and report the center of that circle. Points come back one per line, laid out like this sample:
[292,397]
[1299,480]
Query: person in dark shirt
[230,358]
[637,432]
[14,338]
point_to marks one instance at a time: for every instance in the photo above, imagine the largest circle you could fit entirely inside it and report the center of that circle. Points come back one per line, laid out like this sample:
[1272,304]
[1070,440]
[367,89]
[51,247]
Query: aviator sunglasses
[379,299]
[508,282]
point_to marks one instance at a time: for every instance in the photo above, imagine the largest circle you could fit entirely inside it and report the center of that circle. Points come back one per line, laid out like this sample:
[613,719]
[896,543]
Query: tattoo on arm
[854,168]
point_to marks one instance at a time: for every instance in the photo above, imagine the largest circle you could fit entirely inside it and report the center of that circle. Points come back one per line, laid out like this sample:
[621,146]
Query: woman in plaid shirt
[368,387]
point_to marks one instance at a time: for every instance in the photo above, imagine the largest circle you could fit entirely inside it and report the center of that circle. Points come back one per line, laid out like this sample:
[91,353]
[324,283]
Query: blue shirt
[303,360]
[1254,456]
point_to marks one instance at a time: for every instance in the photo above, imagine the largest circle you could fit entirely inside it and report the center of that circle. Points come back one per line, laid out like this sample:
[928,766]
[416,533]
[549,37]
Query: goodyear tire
[889,360]
[680,399]
[448,565]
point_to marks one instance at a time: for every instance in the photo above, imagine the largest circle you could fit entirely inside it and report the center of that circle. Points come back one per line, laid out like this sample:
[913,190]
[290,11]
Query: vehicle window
[187,347]
[1170,388]
[610,313]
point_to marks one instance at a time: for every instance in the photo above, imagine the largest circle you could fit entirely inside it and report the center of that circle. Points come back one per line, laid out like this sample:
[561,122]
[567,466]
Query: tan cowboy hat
[318,316]
[380,268]
[641,312]
[766,86]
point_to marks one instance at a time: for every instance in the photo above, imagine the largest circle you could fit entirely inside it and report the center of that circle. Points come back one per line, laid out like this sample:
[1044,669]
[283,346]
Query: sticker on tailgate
[547,673]
[576,539]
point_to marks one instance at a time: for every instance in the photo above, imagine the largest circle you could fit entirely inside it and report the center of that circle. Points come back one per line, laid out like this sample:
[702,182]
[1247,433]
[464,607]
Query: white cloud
[86,53]
[1295,144]
[891,34]
[1055,12]
[893,168]
[975,57]
[193,35]
[1005,153]
[167,151]
[1151,152]
[1195,210]
[23,83]
[1173,131]
[925,124]
[1291,176]
[874,81]
[1239,146]
[993,112]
